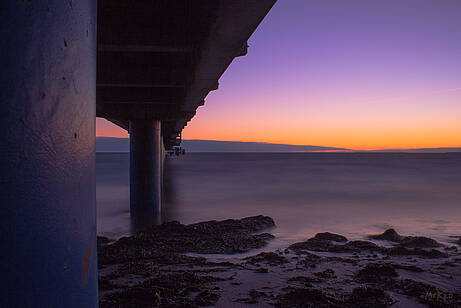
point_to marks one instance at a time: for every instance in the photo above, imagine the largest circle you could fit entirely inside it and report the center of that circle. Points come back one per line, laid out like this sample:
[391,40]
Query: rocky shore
[159,267]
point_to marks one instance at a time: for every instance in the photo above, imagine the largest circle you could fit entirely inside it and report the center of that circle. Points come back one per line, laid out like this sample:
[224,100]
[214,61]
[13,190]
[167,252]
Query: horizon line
[339,149]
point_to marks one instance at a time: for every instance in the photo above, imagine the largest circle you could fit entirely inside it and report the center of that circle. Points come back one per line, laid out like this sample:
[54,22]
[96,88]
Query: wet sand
[211,264]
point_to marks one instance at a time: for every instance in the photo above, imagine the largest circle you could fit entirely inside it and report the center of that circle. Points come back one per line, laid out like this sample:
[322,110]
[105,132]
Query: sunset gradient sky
[358,74]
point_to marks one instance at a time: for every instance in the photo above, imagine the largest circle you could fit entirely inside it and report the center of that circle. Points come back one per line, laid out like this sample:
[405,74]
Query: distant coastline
[112,144]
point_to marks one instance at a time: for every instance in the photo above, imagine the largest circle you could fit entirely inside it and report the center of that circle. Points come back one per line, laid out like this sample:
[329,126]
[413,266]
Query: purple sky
[355,74]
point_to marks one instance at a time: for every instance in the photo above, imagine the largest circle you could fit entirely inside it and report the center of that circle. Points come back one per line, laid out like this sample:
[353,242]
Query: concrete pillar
[47,153]
[145,172]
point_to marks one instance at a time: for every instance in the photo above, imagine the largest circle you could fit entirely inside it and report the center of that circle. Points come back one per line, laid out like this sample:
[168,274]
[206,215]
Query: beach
[214,264]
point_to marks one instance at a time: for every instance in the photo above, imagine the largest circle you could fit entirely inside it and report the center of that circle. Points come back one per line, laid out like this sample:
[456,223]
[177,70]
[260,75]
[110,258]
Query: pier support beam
[47,154]
[145,172]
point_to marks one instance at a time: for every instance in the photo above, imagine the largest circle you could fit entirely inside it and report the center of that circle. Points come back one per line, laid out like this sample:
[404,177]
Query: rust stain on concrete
[86,260]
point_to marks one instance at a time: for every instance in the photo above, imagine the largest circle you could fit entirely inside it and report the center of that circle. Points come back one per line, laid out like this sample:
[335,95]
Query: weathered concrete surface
[47,125]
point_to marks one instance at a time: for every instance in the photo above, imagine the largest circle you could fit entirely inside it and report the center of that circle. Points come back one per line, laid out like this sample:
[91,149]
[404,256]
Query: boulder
[375,272]
[330,237]
[419,242]
[388,235]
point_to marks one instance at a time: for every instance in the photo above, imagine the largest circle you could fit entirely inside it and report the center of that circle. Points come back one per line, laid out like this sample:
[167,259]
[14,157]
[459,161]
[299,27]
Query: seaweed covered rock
[388,235]
[408,246]
[304,280]
[403,251]
[151,269]
[270,258]
[374,272]
[164,291]
[307,297]
[206,298]
[330,237]
[360,297]
[313,244]
[253,297]
[310,260]
[358,246]
[225,237]
[316,244]
[410,268]
[369,296]
[328,273]
[428,294]
[419,242]
[406,241]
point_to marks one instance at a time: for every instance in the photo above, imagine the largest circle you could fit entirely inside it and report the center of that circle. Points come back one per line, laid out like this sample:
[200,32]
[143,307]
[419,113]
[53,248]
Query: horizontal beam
[141,102]
[143,48]
[123,112]
[132,85]
[124,73]
[140,94]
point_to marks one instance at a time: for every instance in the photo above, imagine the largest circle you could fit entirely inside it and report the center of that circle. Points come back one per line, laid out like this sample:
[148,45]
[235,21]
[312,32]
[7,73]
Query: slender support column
[47,154]
[145,172]
[163,166]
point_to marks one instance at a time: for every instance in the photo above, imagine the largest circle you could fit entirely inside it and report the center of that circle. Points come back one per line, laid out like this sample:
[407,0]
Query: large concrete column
[145,172]
[47,153]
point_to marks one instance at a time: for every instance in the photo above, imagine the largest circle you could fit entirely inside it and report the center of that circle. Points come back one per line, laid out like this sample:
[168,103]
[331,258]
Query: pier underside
[157,61]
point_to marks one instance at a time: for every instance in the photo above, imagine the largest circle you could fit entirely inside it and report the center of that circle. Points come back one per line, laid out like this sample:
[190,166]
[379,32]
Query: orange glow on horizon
[353,138]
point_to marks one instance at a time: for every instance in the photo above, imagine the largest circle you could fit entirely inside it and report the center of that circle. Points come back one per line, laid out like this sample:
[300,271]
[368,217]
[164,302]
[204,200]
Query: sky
[357,74]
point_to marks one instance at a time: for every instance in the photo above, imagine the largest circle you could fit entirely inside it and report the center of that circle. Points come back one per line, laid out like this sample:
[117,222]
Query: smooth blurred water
[349,193]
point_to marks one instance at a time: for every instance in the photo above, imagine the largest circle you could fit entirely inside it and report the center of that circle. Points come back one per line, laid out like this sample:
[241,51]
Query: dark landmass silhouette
[239,146]
[422,150]
[111,144]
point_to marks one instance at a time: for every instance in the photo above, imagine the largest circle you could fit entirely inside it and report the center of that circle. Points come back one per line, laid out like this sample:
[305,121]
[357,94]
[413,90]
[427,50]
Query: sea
[353,194]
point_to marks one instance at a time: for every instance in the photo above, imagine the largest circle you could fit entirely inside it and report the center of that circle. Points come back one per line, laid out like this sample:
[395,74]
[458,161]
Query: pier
[145,66]
[157,61]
